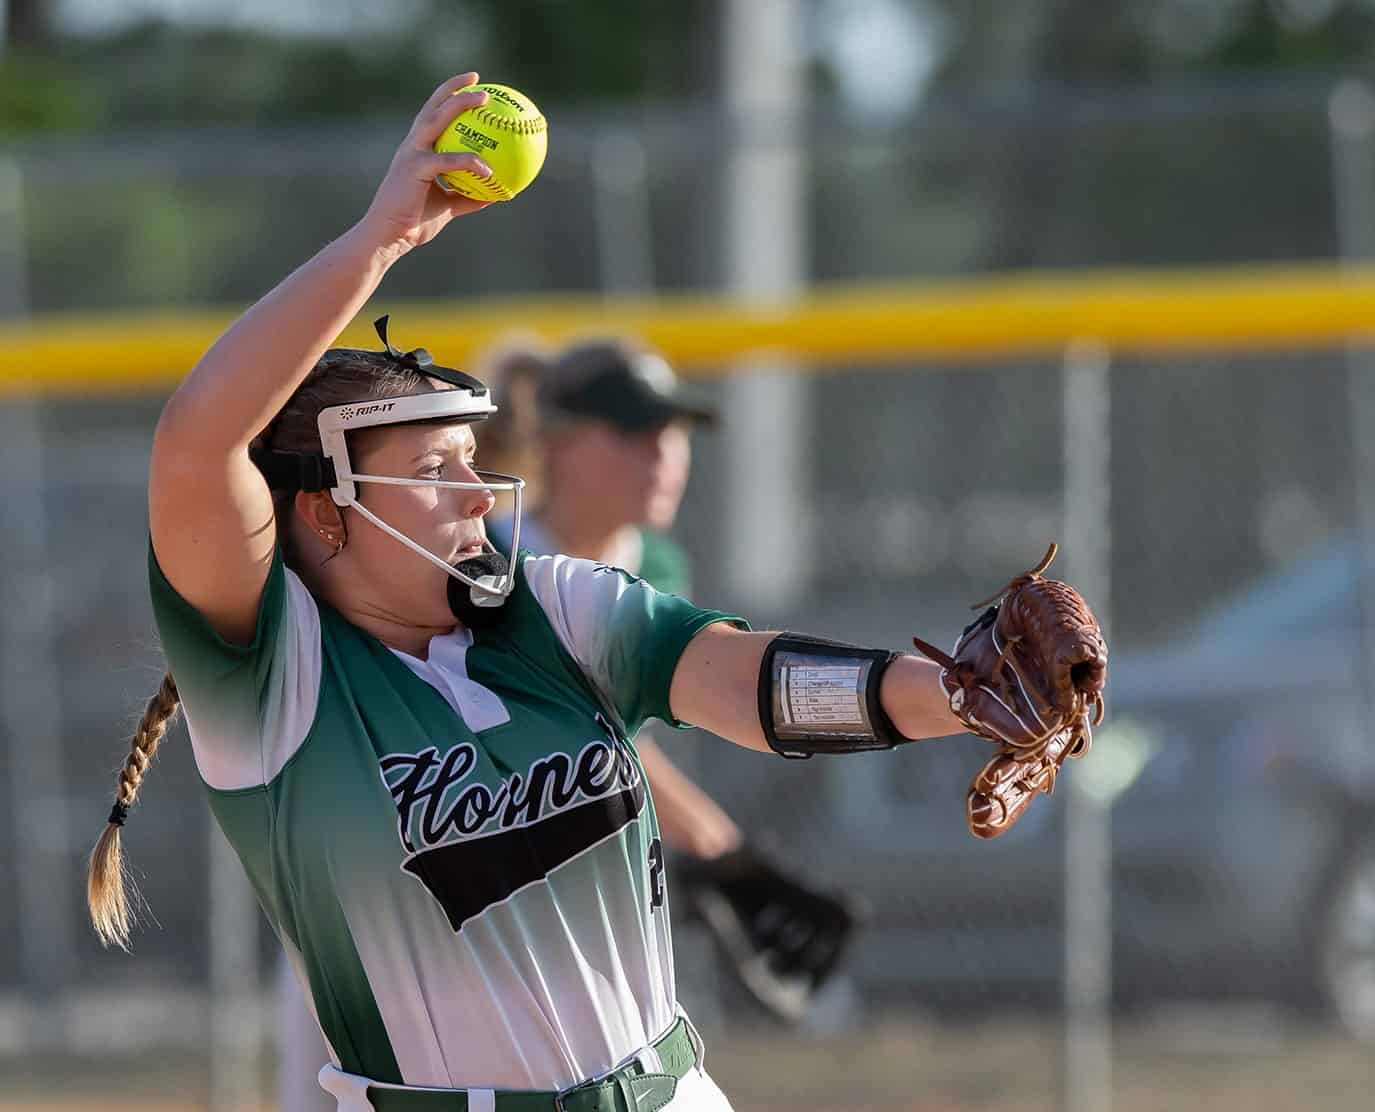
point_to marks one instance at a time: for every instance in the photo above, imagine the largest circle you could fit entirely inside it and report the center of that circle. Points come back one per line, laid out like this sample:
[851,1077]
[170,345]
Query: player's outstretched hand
[408,209]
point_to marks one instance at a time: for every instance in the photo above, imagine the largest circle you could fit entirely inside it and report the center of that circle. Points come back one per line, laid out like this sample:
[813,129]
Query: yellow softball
[508,133]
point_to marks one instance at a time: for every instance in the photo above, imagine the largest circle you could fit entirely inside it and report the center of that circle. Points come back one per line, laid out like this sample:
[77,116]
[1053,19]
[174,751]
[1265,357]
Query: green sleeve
[626,636]
[242,702]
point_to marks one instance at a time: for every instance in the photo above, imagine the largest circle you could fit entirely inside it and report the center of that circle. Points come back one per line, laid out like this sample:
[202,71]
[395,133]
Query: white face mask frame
[454,405]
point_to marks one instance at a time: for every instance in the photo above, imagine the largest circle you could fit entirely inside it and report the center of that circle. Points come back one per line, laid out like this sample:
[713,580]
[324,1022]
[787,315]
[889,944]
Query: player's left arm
[716,686]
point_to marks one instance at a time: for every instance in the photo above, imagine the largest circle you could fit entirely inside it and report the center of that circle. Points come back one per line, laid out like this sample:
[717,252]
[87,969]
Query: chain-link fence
[1237,763]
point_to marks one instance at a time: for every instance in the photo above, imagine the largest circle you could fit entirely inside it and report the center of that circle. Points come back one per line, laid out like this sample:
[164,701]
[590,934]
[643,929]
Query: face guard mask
[443,405]
[490,577]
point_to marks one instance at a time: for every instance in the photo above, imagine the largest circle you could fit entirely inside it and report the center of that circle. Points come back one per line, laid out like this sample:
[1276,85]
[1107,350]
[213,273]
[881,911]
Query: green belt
[629,1089]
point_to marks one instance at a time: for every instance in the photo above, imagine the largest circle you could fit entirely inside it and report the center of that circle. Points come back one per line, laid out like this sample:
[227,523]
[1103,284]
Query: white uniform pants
[698,1093]
[302,1084]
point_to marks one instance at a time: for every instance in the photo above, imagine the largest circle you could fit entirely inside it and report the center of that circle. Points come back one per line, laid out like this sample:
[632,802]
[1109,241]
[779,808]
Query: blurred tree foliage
[618,50]
[160,74]
[1131,40]
[1060,190]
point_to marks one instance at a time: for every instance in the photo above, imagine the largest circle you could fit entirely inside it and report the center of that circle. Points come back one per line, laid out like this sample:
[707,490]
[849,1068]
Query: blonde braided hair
[107,885]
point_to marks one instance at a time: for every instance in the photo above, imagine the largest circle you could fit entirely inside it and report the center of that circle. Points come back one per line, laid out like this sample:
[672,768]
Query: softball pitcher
[622,466]
[417,748]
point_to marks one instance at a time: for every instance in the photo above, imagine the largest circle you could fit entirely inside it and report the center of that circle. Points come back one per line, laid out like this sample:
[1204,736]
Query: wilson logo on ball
[496,92]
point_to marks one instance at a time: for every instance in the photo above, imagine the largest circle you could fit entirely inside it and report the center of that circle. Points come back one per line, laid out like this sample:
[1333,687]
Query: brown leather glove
[1028,675]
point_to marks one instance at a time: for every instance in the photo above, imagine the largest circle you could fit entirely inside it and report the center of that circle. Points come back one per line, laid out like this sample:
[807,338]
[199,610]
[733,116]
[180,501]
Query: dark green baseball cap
[616,381]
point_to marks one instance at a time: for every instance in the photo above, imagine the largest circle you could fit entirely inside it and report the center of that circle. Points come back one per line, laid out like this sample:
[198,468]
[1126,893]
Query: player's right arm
[210,512]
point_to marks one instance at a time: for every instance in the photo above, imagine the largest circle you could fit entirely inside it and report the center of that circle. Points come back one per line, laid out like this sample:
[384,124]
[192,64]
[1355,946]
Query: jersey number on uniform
[656,874]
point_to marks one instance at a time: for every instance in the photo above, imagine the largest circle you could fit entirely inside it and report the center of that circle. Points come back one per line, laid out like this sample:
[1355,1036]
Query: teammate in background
[419,750]
[602,431]
[605,475]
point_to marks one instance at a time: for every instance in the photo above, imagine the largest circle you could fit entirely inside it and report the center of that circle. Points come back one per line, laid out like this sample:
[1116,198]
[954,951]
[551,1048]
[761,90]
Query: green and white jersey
[459,854]
[654,557]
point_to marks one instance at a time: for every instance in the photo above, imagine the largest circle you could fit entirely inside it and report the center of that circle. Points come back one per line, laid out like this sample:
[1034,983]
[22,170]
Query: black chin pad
[461,595]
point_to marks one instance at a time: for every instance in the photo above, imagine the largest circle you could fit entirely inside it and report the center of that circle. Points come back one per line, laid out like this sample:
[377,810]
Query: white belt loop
[650,1061]
[350,1090]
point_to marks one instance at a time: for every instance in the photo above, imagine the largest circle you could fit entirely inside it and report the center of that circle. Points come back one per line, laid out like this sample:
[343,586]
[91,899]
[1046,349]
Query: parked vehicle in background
[1247,848]
[1243,851]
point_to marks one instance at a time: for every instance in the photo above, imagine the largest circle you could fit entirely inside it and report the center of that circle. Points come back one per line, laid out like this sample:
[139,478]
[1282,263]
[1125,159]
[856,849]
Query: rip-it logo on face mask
[349,412]
[473,845]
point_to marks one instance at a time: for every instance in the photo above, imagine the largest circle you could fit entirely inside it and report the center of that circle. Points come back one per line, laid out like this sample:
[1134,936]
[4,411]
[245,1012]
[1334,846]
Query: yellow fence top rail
[1164,310]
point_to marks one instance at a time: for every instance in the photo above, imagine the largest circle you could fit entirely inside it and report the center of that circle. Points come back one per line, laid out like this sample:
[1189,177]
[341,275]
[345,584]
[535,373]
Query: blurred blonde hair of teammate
[510,439]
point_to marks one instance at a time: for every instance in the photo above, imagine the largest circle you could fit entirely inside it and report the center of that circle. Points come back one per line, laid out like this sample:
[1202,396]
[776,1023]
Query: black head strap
[418,359]
[293,470]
